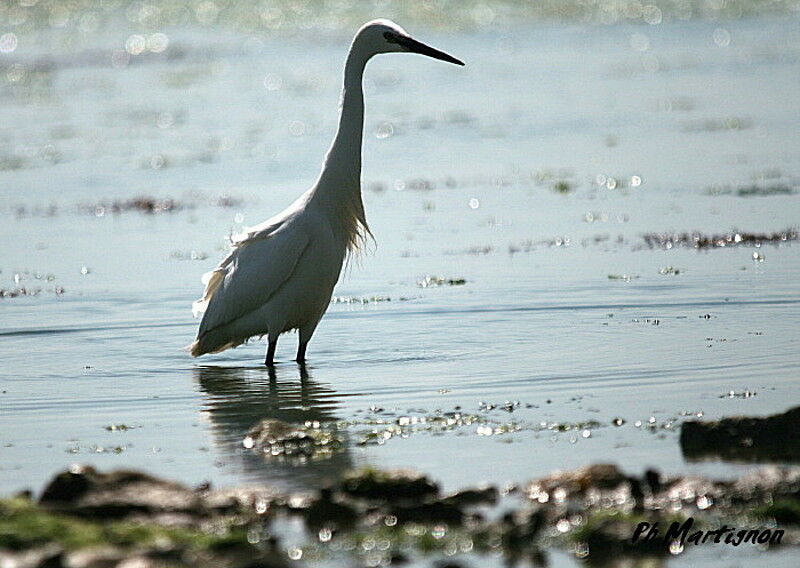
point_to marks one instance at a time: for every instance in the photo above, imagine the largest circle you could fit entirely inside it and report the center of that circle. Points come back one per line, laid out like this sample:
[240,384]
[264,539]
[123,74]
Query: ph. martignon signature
[682,533]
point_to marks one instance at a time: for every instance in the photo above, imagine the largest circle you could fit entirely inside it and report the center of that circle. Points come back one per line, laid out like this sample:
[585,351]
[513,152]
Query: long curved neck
[342,168]
[338,188]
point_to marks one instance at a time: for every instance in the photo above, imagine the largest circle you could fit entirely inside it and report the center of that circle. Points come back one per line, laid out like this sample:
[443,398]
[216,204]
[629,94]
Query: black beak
[418,47]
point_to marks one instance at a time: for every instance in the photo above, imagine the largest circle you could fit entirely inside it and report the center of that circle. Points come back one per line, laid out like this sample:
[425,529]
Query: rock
[575,484]
[271,431]
[278,439]
[609,537]
[406,495]
[234,499]
[653,480]
[50,555]
[742,438]
[388,486]
[521,528]
[328,511]
[768,483]
[86,492]
[590,511]
[486,495]
[689,493]
[428,512]
[104,557]
[25,494]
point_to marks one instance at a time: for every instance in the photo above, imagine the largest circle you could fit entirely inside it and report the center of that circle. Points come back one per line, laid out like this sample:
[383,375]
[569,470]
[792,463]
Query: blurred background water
[510,278]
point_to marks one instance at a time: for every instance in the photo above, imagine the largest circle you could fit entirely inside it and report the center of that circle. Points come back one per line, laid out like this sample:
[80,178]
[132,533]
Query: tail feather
[194,349]
[214,341]
[212,280]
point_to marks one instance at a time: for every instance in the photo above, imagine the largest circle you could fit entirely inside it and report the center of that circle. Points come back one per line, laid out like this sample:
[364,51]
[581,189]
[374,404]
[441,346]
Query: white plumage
[280,275]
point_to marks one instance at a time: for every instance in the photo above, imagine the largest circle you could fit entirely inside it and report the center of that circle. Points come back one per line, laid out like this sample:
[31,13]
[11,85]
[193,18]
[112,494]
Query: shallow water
[666,128]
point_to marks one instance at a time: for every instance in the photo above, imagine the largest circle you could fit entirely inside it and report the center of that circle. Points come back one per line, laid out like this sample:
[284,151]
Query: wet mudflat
[569,265]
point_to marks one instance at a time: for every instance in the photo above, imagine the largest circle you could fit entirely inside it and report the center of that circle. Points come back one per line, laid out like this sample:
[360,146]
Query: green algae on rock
[127,514]
[387,517]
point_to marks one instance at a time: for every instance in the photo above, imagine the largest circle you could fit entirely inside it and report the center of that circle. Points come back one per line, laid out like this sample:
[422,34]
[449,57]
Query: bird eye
[390,37]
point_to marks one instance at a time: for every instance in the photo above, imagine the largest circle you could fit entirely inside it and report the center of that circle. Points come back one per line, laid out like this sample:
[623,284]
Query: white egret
[280,275]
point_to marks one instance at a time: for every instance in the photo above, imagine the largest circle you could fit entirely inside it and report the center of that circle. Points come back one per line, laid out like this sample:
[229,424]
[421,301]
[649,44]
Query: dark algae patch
[147,204]
[760,189]
[434,281]
[395,486]
[378,517]
[709,241]
[22,291]
[742,438]
[562,186]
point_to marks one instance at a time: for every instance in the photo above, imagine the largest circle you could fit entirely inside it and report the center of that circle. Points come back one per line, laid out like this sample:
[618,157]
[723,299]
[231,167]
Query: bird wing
[254,270]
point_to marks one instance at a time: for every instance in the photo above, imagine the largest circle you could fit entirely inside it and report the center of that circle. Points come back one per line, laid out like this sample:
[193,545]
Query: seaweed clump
[705,241]
[744,438]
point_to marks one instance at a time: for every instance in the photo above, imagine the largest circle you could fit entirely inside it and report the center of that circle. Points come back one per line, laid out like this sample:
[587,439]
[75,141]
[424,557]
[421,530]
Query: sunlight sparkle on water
[8,42]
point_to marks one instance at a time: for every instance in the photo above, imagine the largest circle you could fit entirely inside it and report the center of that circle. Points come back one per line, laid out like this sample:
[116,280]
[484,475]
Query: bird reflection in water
[239,397]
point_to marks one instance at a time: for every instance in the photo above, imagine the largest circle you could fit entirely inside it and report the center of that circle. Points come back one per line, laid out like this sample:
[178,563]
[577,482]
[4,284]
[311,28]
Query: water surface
[532,174]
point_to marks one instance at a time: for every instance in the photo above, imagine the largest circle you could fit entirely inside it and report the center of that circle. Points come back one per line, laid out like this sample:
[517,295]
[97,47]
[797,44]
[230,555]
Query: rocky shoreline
[89,519]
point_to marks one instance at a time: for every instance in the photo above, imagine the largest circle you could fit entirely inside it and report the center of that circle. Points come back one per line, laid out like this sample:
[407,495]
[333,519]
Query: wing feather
[250,275]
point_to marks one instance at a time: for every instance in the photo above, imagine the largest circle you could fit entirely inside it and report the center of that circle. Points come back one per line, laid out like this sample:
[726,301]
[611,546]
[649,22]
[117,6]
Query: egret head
[384,36]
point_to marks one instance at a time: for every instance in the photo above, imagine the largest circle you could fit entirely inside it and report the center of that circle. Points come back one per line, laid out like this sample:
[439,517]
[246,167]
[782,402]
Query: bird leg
[301,352]
[304,336]
[270,360]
